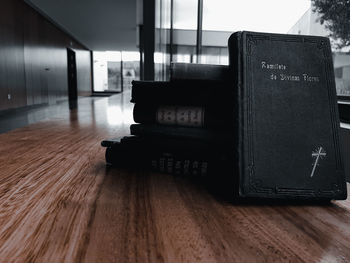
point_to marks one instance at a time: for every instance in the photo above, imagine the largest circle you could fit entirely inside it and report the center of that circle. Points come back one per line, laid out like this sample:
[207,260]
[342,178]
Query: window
[114,70]
[223,17]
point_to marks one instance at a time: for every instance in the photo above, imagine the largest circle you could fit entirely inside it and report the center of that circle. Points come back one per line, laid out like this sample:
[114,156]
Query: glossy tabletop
[60,203]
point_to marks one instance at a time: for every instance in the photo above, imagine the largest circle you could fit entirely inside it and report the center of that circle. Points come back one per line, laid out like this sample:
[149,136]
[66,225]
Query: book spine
[187,116]
[174,164]
[194,93]
[180,115]
[235,68]
[183,133]
[198,72]
[148,90]
[158,161]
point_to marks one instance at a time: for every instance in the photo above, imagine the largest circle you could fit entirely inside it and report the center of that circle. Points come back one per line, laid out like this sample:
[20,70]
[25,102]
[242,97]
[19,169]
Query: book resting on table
[274,105]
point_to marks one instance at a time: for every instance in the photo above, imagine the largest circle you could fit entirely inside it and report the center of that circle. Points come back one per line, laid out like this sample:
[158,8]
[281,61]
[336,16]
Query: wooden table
[59,203]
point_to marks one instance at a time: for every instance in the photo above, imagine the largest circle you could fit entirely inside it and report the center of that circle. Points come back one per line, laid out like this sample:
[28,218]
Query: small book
[167,155]
[285,113]
[198,72]
[221,136]
[187,116]
[185,93]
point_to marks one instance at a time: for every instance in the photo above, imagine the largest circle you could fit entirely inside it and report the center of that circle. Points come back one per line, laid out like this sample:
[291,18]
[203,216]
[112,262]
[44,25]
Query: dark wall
[33,58]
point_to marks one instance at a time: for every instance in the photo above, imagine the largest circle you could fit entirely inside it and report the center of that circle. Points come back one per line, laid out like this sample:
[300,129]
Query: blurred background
[196,31]
[51,51]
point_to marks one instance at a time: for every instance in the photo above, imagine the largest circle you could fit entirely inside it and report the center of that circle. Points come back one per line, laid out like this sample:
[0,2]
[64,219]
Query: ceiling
[98,24]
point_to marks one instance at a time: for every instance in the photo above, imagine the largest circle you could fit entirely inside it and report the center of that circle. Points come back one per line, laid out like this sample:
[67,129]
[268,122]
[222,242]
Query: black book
[194,93]
[286,116]
[167,155]
[220,136]
[198,72]
[187,116]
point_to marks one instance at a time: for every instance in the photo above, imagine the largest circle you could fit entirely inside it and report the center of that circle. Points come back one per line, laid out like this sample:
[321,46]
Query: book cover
[201,72]
[287,126]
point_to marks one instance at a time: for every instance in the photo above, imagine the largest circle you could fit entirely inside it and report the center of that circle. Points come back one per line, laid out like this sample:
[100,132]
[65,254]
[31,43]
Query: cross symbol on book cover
[318,154]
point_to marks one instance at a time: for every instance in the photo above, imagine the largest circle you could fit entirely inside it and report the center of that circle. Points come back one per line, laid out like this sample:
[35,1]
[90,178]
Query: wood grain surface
[60,203]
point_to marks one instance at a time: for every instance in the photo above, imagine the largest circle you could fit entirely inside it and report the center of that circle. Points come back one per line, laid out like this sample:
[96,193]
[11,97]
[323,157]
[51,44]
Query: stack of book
[183,125]
[268,122]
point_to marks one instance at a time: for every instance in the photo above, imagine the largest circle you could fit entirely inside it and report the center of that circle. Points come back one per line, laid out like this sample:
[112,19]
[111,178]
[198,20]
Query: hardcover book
[167,155]
[220,136]
[287,126]
[192,93]
[201,72]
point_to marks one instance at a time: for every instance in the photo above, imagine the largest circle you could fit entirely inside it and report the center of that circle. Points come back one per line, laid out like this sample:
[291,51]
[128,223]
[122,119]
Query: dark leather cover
[220,136]
[193,71]
[195,93]
[287,139]
[169,155]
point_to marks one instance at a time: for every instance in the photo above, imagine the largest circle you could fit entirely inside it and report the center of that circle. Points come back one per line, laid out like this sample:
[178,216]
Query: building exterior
[309,24]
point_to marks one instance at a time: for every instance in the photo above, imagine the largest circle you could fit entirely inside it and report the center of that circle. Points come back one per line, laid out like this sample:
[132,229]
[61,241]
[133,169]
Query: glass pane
[255,15]
[162,40]
[222,17]
[131,68]
[184,54]
[100,71]
[342,73]
[108,73]
[114,76]
[214,55]
[185,14]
